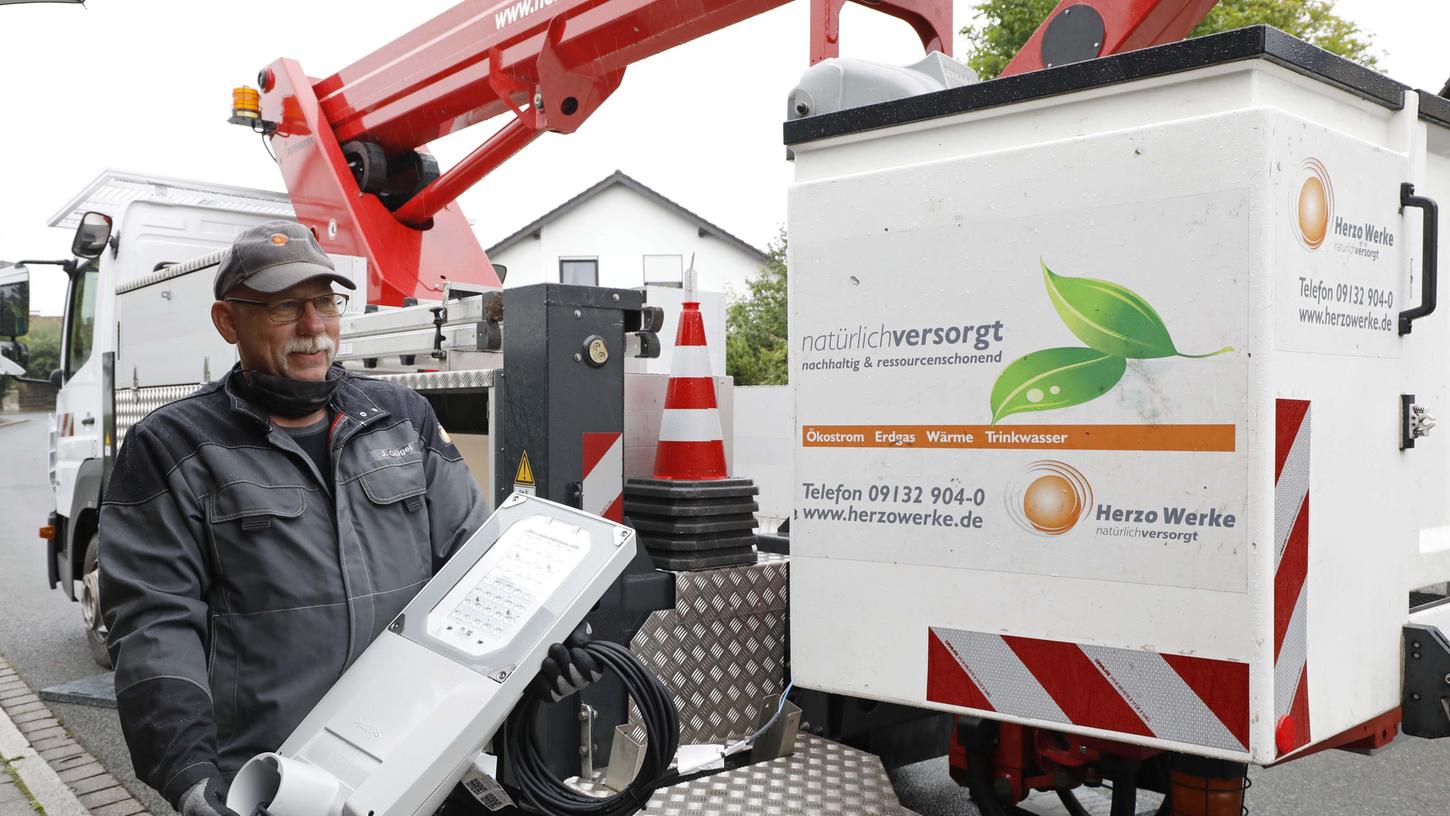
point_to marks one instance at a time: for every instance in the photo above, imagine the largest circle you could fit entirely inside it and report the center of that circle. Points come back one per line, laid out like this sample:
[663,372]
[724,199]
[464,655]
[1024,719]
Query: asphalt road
[40,635]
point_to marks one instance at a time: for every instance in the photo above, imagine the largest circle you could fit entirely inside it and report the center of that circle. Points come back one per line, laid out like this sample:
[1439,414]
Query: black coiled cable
[540,791]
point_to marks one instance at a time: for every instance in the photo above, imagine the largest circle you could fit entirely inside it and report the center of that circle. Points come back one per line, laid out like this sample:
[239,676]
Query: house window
[579,271]
[664,270]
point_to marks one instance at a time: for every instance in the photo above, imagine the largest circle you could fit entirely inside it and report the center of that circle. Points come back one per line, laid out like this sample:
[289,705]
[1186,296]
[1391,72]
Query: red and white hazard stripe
[1191,700]
[1291,573]
[604,475]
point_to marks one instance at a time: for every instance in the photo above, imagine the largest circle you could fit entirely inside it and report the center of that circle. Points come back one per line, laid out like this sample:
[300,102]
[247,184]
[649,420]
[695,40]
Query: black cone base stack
[693,525]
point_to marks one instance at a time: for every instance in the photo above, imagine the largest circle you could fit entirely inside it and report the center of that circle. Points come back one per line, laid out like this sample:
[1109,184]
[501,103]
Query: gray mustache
[308,345]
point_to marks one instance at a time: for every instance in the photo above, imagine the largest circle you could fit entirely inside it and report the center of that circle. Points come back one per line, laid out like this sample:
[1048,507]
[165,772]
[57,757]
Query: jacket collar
[351,400]
[240,405]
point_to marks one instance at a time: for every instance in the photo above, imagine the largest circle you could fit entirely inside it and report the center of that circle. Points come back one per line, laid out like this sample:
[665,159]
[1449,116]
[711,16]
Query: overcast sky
[145,86]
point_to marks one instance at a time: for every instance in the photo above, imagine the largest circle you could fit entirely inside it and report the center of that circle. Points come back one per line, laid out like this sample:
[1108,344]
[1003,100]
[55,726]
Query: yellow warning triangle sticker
[525,474]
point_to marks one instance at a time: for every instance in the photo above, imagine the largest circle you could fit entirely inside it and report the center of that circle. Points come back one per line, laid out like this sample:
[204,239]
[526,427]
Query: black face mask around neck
[286,397]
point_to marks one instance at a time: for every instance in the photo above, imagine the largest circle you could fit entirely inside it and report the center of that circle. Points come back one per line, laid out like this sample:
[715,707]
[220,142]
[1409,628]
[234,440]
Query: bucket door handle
[1428,263]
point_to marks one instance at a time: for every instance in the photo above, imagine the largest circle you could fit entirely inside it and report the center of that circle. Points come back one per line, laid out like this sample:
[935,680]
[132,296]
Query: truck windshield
[81,317]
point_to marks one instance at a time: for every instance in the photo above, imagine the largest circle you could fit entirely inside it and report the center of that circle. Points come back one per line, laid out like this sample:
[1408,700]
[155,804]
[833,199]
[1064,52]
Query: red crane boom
[352,150]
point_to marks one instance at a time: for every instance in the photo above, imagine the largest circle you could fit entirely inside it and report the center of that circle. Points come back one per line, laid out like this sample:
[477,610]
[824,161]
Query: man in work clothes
[257,535]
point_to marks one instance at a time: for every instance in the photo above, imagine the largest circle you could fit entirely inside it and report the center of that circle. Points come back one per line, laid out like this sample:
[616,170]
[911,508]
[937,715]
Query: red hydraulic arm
[1123,25]
[352,145]
[547,63]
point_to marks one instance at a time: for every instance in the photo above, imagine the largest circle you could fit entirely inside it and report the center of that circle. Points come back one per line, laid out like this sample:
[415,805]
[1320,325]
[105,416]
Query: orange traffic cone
[691,445]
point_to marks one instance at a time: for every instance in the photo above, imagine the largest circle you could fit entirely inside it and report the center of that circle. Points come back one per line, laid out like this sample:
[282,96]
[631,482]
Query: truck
[168,223]
[1068,354]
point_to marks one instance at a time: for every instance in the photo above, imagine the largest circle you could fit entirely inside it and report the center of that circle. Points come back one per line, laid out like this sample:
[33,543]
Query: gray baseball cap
[274,256]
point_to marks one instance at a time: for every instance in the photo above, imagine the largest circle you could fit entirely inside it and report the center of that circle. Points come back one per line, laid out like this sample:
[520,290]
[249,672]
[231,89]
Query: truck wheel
[91,603]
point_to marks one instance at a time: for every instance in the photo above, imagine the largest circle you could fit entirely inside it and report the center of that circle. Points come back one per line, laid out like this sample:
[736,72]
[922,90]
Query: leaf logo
[1054,378]
[1114,323]
[1050,498]
[1313,208]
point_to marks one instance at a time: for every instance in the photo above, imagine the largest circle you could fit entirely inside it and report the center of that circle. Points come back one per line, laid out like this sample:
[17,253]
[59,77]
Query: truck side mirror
[91,235]
[14,300]
[57,377]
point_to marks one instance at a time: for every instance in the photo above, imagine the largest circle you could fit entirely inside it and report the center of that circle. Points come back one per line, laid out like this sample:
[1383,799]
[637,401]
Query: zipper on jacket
[211,628]
[331,496]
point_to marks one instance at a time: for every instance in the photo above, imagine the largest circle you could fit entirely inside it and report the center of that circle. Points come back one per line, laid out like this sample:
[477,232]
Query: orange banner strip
[1211,438]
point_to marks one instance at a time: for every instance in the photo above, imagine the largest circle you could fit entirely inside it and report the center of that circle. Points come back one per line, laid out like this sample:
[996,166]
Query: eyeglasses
[291,309]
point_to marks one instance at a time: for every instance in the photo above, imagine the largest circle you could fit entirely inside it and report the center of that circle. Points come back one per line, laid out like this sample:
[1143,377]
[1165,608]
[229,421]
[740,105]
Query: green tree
[756,342]
[43,341]
[1003,26]
[43,345]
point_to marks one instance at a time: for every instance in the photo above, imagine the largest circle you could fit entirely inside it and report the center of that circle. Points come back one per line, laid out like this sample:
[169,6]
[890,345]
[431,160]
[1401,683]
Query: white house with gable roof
[622,234]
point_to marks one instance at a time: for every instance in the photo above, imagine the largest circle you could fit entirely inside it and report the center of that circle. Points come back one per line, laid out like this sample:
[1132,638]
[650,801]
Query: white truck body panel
[1004,547]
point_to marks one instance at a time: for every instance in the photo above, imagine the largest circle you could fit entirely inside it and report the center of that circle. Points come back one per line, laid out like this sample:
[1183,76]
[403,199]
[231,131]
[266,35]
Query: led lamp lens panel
[402,723]
[508,586]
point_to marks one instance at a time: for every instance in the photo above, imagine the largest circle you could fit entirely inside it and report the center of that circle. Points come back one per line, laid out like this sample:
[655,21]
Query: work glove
[568,668]
[206,798]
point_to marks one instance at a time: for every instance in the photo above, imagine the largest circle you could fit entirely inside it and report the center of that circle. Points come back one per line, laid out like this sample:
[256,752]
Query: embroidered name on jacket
[391,453]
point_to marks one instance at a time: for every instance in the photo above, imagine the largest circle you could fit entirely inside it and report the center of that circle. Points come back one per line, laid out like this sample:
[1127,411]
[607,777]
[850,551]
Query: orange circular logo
[1313,207]
[278,238]
[1050,498]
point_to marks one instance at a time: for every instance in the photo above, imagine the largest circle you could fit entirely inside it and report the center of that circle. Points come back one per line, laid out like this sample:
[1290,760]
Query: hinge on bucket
[1426,698]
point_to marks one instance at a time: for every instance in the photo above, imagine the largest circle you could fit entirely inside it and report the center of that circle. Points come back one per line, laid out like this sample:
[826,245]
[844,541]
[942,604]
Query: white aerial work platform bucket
[1107,410]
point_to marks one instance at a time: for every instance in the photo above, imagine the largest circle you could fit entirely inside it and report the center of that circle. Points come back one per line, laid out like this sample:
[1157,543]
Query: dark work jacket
[238,587]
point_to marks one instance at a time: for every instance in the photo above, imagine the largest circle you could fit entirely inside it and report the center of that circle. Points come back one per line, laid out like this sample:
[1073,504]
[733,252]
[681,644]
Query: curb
[61,776]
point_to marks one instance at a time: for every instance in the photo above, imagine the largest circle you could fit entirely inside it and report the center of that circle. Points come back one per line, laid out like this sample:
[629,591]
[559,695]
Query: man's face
[301,350]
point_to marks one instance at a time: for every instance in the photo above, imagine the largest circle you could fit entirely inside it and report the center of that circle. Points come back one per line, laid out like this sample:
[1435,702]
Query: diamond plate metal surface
[721,649]
[471,379]
[133,404]
[166,273]
[821,777]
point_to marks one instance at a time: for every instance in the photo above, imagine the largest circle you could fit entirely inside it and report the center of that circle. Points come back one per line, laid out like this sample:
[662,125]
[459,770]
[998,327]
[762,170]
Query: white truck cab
[136,317]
